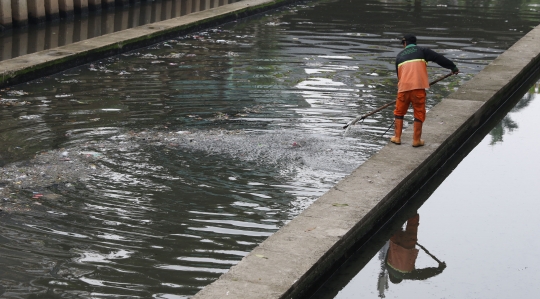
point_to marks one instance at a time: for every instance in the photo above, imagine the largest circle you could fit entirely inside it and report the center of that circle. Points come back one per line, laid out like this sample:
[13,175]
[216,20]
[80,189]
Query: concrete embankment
[290,262]
[28,67]
[19,13]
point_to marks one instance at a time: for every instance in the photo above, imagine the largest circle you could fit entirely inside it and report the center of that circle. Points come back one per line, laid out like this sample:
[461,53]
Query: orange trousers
[418,99]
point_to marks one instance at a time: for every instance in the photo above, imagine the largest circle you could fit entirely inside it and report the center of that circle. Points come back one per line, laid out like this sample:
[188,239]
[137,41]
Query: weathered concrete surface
[52,10]
[36,11]
[81,6]
[32,66]
[290,261]
[19,10]
[94,4]
[6,19]
[66,8]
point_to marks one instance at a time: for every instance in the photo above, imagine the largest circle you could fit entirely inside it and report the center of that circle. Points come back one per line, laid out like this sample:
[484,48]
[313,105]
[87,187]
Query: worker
[411,67]
[402,254]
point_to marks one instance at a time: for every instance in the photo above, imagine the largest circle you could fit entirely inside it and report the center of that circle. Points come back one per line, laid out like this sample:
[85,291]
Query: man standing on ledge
[411,67]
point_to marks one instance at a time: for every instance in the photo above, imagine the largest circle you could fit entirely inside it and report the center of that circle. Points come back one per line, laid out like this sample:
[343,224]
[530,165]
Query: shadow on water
[377,242]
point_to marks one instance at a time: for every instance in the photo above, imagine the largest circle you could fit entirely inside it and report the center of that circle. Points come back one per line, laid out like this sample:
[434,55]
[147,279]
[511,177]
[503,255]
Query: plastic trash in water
[64,156]
[91,154]
[16,93]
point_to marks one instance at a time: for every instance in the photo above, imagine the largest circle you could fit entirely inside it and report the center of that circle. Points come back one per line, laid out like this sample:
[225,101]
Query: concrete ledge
[291,261]
[32,66]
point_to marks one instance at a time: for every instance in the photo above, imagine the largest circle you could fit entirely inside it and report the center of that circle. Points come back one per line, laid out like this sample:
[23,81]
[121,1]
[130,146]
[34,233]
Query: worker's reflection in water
[398,263]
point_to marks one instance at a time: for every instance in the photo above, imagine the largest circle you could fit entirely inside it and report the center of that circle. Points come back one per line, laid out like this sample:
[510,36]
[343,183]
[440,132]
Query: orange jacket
[411,67]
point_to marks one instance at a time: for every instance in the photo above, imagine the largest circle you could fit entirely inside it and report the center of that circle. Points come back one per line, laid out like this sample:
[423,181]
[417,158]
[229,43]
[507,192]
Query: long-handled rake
[354,121]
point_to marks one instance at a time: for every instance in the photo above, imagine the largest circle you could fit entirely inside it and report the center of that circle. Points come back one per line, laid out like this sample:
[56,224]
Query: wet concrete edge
[291,261]
[32,66]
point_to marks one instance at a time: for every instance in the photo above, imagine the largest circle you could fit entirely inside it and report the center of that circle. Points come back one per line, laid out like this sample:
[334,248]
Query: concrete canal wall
[31,66]
[20,12]
[292,260]
[64,32]
[56,34]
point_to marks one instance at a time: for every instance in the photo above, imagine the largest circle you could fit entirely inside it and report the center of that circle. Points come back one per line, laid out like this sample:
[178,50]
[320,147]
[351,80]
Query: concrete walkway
[291,261]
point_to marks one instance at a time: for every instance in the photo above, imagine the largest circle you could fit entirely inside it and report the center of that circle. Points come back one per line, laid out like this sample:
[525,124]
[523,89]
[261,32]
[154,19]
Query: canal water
[149,174]
[477,227]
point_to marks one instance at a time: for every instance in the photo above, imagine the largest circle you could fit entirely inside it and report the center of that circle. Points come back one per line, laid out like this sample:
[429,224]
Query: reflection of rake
[354,121]
[428,253]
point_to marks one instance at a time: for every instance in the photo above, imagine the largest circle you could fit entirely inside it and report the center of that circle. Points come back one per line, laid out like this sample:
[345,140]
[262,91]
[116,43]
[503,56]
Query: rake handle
[388,104]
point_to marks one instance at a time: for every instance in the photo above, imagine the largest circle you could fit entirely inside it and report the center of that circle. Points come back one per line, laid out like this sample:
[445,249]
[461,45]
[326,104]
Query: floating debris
[149,56]
[30,117]
[12,102]
[228,42]
[173,55]
[69,81]
[276,23]
[16,93]
[37,195]
[91,154]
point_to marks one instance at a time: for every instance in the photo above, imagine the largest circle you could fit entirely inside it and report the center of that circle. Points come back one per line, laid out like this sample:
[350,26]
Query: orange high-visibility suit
[411,68]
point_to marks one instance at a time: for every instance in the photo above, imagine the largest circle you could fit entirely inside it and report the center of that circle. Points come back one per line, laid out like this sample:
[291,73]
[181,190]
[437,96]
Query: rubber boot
[398,128]
[417,134]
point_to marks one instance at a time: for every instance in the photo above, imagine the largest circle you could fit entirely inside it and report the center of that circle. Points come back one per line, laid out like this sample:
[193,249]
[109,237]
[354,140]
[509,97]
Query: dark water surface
[481,222]
[151,173]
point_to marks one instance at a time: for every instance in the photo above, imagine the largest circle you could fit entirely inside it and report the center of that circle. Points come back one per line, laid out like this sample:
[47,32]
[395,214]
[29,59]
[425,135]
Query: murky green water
[151,173]
[479,223]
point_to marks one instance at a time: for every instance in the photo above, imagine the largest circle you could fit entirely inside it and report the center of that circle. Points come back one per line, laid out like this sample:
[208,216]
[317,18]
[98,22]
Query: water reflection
[400,258]
[35,38]
[463,206]
[507,125]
